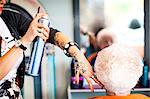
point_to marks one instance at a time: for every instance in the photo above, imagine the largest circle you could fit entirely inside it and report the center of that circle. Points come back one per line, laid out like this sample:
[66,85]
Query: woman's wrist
[25,41]
[75,52]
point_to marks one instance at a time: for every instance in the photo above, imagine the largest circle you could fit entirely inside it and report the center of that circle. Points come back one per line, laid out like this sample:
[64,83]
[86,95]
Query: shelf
[85,93]
[103,90]
[86,90]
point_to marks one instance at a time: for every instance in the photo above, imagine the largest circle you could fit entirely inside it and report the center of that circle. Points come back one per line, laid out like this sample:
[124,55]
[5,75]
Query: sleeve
[16,21]
[51,38]
[23,25]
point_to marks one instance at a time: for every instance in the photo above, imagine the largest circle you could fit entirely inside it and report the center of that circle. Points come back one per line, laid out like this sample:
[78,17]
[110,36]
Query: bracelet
[20,45]
[67,46]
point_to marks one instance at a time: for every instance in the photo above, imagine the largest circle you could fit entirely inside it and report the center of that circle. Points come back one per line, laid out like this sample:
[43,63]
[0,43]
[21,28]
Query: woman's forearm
[9,60]
[61,40]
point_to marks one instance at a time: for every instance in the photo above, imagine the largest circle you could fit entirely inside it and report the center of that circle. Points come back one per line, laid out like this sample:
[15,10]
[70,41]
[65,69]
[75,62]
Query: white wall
[61,17]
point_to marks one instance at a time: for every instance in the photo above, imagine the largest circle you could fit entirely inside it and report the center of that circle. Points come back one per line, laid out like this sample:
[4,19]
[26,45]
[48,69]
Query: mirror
[103,22]
[121,20]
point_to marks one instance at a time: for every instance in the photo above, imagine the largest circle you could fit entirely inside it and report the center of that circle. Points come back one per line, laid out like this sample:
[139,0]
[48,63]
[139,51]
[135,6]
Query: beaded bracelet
[67,46]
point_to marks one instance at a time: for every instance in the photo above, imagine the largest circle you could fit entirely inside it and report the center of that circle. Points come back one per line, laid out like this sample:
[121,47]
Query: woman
[17,32]
[119,68]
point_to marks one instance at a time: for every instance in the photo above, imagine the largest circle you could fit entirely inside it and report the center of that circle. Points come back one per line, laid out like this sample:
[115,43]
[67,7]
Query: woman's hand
[36,29]
[83,67]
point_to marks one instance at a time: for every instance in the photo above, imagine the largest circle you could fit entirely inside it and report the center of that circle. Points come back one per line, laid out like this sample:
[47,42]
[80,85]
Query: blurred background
[81,21]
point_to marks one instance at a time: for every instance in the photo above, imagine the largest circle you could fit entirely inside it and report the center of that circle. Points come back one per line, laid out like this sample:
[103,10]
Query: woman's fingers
[39,15]
[36,29]
[43,31]
[97,81]
[42,34]
[46,28]
[88,74]
[40,29]
[77,77]
[89,82]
